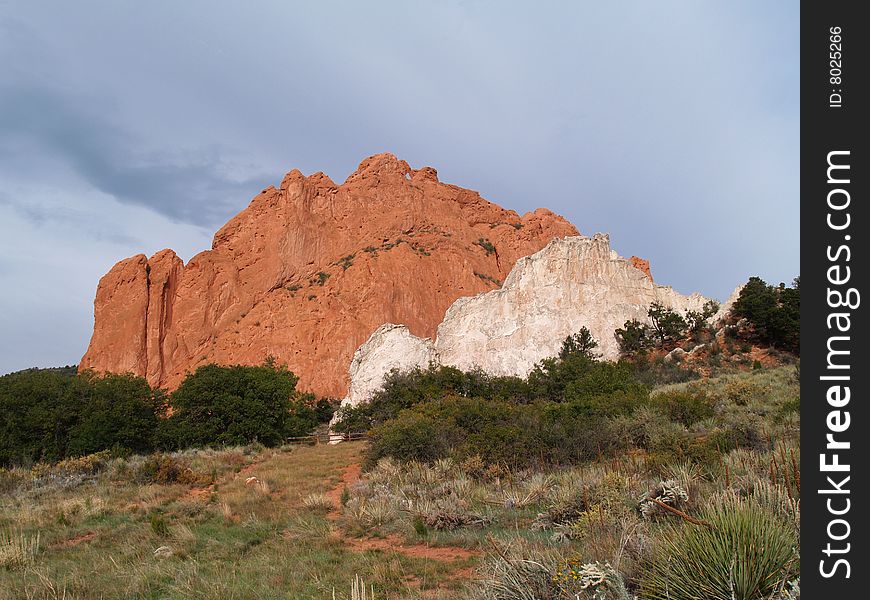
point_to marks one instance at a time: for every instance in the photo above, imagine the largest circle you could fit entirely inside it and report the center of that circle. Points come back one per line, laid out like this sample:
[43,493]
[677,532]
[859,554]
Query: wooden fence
[326,438]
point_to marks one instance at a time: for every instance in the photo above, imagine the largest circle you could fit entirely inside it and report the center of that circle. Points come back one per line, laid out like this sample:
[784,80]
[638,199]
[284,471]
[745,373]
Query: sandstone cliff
[573,282]
[308,271]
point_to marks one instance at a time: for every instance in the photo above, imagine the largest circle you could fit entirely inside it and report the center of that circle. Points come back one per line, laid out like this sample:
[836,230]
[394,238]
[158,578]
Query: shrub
[12,479]
[669,492]
[590,581]
[742,555]
[511,577]
[661,372]
[500,432]
[634,337]
[402,390]
[121,415]
[685,408]
[50,415]
[165,469]
[237,405]
[486,245]
[576,377]
[345,262]
[774,312]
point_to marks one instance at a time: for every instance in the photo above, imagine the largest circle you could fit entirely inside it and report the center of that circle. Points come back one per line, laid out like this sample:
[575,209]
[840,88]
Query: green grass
[105,530]
[110,537]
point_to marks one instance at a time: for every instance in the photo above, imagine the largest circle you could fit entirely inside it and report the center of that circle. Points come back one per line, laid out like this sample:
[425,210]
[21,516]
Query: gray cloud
[41,214]
[194,187]
[129,126]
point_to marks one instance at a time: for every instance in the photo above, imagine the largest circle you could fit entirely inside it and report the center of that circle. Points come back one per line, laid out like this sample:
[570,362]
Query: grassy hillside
[303,522]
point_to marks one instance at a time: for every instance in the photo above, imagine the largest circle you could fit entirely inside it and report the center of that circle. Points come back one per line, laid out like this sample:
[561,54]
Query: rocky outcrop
[725,308]
[308,271]
[391,347]
[573,282]
[642,264]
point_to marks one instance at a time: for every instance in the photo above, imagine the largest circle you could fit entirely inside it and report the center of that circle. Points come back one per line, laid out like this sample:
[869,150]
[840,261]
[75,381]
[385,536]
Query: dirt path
[391,543]
[394,543]
[79,539]
[202,493]
[349,475]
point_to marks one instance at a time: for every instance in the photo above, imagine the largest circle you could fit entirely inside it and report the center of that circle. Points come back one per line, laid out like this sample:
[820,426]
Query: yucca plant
[518,579]
[378,511]
[740,552]
[318,502]
[776,500]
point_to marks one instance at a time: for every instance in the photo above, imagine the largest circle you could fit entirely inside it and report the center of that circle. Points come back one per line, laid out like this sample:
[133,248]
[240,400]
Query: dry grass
[212,536]
[17,548]
[255,522]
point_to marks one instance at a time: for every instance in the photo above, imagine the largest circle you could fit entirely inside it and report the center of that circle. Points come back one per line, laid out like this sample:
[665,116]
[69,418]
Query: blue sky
[129,127]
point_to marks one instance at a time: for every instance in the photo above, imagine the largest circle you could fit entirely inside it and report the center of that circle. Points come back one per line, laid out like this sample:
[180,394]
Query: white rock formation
[389,347]
[573,282]
[725,307]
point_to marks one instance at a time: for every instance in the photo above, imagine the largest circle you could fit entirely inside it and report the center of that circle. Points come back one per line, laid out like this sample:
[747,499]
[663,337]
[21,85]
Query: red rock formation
[642,264]
[307,272]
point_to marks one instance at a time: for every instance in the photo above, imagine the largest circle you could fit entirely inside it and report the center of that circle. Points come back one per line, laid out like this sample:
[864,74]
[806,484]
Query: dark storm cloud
[192,187]
[129,126]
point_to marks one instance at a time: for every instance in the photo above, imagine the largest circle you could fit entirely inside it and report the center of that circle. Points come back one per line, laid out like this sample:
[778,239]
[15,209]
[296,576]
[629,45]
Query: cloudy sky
[128,127]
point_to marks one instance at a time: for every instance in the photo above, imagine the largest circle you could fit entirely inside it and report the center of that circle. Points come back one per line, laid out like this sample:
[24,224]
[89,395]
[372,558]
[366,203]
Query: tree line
[52,414]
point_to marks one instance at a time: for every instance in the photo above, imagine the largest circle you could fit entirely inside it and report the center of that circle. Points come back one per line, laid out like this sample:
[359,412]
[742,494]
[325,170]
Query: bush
[51,414]
[518,435]
[165,469]
[661,372]
[578,377]
[685,408]
[121,415]
[774,312]
[486,245]
[634,337]
[222,406]
[743,554]
[402,390]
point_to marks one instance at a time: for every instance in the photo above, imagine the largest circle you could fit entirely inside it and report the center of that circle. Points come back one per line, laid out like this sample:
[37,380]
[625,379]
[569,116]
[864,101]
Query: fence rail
[325,438]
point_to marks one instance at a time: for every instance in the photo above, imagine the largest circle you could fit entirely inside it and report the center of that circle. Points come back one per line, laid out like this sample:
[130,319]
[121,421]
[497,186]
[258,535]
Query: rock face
[308,271]
[725,308]
[643,265]
[573,282]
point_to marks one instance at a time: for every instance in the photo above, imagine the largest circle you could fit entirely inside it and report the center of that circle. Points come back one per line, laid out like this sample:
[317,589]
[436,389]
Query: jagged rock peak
[307,271]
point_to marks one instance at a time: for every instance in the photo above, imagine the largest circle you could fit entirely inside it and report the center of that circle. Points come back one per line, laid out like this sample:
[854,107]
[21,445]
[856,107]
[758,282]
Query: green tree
[633,337]
[696,320]
[667,324]
[774,312]
[582,343]
[236,405]
[121,415]
[52,414]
